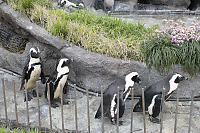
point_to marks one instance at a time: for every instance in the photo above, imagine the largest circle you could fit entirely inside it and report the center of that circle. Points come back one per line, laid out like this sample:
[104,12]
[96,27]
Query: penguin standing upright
[32,71]
[153,95]
[125,85]
[57,81]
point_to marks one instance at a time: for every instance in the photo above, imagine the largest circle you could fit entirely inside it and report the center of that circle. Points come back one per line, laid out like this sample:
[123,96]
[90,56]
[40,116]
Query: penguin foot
[137,109]
[34,93]
[66,102]
[115,123]
[154,120]
[54,105]
[29,98]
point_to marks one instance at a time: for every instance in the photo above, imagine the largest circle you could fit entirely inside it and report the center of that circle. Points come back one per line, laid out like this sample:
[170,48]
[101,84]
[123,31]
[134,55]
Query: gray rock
[22,22]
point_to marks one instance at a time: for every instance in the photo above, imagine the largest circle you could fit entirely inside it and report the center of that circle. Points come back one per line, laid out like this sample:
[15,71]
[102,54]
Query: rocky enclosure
[88,68]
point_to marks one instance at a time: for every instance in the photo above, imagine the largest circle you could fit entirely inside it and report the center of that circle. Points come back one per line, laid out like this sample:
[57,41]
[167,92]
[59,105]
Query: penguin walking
[153,95]
[125,84]
[32,71]
[57,81]
[71,3]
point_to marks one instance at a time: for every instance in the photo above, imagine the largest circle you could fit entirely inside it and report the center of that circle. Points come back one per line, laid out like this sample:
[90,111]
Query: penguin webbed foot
[65,102]
[114,122]
[54,105]
[29,97]
[154,120]
[34,93]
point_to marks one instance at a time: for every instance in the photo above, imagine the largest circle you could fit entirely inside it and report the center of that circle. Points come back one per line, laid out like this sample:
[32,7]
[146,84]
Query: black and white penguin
[71,3]
[32,71]
[153,95]
[106,5]
[57,81]
[125,85]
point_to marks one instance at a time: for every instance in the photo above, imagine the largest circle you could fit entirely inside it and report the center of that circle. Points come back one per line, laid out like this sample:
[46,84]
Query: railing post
[5,103]
[88,110]
[177,101]
[118,109]
[27,111]
[49,101]
[132,104]
[102,112]
[143,107]
[63,128]
[15,99]
[191,111]
[38,101]
[162,108]
[75,106]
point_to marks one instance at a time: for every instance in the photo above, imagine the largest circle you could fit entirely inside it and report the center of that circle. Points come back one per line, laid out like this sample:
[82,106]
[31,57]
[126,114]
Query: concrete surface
[168,121]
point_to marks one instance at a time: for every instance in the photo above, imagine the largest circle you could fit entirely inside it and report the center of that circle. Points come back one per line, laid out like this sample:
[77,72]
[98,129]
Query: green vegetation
[177,43]
[161,48]
[162,54]
[7,130]
[103,34]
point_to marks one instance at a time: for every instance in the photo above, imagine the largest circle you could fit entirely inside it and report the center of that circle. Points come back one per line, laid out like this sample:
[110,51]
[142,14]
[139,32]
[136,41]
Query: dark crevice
[12,41]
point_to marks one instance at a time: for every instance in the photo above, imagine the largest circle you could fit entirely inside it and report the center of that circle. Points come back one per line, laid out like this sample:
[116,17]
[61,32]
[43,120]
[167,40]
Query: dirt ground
[95,124]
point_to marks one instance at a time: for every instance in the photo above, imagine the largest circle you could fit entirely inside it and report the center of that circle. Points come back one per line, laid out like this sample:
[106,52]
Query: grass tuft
[161,54]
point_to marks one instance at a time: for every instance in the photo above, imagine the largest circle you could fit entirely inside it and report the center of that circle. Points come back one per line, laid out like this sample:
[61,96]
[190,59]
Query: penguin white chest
[150,108]
[60,87]
[35,74]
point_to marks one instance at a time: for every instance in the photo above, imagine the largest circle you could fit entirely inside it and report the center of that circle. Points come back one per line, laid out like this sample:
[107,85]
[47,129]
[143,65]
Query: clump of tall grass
[174,46]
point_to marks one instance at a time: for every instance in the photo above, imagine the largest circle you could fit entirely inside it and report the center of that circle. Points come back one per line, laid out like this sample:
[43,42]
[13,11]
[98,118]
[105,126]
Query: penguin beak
[138,80]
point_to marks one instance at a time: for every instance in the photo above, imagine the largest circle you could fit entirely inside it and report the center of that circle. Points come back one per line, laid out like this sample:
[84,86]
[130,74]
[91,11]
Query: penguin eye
[177,80]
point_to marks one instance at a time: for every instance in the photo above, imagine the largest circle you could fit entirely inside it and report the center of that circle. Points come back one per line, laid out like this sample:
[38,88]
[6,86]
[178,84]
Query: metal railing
[88,109]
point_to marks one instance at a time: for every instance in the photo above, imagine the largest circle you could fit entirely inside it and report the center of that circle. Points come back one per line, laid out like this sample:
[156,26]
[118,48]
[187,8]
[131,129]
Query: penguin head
[63,63]
[133,76]
[177,78]
[34,52]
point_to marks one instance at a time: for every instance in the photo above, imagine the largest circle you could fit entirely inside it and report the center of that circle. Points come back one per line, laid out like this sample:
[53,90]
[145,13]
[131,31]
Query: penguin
[71,3]
[109,5]
[57,81]
[125,84]
[194,4]
[153,95]
[106,5]
[32,71]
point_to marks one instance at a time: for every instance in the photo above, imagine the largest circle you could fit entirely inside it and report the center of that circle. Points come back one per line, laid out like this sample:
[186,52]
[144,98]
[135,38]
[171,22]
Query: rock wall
[88,68]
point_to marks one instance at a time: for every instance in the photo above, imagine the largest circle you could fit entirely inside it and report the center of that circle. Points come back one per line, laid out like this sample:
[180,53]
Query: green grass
[98,33]
[7,130]
[162,54]
[112,36]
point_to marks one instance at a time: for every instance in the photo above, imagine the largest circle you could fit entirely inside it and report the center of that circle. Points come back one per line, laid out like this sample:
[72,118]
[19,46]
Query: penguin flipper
[24,74]
[22,84]
[43,79]
[98,113]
